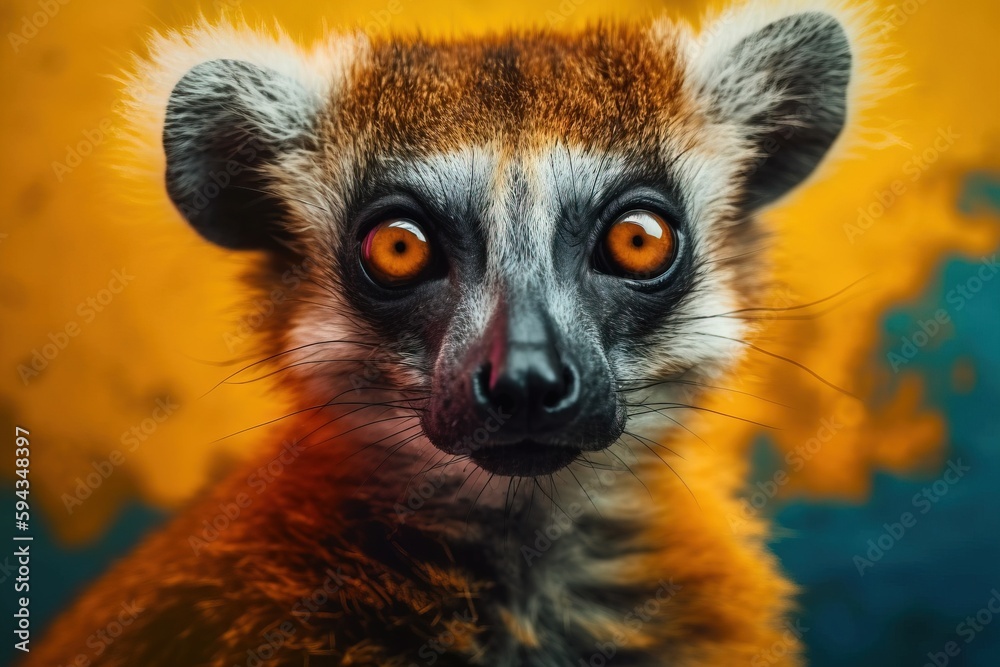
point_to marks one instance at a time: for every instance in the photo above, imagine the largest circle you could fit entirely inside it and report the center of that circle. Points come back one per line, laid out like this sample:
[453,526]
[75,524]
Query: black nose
[526,378]
[531,385]
[528,396]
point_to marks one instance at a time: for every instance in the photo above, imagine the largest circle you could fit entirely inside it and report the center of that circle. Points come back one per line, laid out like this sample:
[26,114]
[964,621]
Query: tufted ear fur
[783,86]
[228,125]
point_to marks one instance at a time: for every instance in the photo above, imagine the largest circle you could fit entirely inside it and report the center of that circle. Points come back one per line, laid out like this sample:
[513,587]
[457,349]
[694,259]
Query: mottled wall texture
[117,321]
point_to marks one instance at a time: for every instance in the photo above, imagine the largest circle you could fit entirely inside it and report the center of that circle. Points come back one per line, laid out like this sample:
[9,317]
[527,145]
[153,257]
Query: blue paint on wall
[918,596]
[59,573]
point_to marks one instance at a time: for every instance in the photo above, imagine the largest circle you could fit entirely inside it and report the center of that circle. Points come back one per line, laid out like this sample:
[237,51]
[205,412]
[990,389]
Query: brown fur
[521,88]
[728,606]
[399,585]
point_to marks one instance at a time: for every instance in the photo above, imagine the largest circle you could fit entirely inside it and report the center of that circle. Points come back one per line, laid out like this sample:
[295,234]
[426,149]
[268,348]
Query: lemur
[518,256]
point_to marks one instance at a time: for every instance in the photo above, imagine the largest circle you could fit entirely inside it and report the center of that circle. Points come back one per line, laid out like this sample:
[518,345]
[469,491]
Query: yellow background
[64,231]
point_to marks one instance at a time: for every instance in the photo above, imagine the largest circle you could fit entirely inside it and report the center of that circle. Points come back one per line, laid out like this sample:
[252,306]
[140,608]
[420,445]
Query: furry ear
[784,87]
[228,125]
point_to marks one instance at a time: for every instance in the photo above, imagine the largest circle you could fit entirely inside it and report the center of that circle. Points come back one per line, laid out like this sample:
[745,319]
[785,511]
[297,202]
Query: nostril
[552,398]
[481,383]
[504,401]
[489,393]
[558,394]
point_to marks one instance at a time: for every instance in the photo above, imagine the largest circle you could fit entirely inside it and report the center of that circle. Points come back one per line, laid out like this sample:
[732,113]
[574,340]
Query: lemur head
[531,227]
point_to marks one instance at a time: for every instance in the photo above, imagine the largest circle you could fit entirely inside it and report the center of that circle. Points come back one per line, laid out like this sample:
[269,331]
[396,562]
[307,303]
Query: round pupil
[396,252]
[639,245]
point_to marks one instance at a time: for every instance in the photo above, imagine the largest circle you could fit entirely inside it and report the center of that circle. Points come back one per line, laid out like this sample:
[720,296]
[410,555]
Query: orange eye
[396,252]
[639,245]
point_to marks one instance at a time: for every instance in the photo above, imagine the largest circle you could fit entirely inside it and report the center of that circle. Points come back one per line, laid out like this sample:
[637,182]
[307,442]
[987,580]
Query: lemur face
[539,230]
